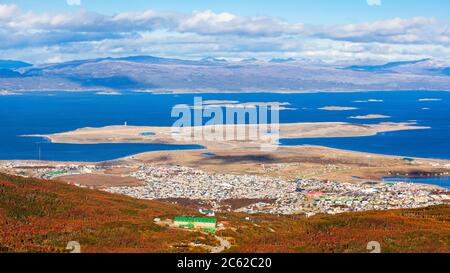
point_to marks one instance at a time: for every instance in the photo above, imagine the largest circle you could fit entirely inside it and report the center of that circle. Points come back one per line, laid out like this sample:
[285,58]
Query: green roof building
[208,224]
[56,173]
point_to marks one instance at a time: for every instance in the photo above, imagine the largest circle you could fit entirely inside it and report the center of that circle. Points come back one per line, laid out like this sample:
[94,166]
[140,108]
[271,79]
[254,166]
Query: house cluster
[270,195]
[314,196]
[163,182]
[305,196]
[45,171]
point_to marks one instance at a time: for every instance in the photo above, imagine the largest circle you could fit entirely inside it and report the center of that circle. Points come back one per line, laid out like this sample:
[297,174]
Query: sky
[320,30]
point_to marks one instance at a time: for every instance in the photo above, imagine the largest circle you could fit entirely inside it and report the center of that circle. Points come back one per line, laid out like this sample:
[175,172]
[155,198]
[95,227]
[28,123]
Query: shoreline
[430,167]
[205,151]
[161,135]
[186,135]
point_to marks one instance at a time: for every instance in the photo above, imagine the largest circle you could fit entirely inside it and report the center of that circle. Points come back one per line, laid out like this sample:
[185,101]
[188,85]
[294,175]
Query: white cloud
[416,30]
[374,2]
[7,11]
[73,2]
[85,21]
[80,34]
[210,23]
[398,30]
[194,46]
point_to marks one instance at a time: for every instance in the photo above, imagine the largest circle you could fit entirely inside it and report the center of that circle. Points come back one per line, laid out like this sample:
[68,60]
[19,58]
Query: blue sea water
[53,112]
[441,181]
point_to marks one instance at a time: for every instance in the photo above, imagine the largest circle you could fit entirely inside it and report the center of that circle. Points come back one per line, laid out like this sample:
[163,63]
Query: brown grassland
[42,216]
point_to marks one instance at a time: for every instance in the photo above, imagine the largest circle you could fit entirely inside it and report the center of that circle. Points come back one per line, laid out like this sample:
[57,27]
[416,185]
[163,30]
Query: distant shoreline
[193,91]
[163,134]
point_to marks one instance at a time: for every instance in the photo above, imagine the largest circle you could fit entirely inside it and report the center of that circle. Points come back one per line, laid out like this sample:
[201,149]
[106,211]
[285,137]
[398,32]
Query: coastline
[164,135]
[246,149]
[293,161]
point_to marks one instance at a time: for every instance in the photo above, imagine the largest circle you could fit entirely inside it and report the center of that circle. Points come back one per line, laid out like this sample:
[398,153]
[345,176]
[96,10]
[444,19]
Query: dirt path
[224,244]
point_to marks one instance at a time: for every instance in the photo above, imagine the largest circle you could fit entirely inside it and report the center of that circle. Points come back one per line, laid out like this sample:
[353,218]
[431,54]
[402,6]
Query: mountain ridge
[156,74]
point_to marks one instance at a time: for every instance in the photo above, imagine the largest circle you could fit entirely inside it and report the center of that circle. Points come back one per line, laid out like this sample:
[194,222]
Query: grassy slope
[43,216]
[412,230]
[40,215]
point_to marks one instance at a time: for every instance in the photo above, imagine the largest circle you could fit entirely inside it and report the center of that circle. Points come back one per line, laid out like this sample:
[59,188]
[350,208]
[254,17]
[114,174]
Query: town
[305,196]
[263,194]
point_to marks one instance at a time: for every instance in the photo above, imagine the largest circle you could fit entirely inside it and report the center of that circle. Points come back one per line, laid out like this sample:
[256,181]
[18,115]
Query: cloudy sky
[322,30]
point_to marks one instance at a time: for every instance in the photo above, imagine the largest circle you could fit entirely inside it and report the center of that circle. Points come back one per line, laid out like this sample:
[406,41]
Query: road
[224,244]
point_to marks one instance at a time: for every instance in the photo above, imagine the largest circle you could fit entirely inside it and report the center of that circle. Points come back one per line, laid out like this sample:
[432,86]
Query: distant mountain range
[383,67]
[281,60]
[155,74]
[11,64]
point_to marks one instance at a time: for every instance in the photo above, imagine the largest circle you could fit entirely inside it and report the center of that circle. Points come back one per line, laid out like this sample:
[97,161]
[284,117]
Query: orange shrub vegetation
[43,216]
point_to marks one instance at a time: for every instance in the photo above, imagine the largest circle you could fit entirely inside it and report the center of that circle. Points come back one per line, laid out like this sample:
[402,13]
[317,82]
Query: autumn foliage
[42,216]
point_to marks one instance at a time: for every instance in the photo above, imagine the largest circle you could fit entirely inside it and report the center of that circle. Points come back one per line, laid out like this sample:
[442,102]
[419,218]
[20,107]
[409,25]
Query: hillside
[42,216]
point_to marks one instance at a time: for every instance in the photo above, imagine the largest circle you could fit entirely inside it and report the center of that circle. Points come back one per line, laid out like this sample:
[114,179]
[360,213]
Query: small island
[371,116]
[338,108]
